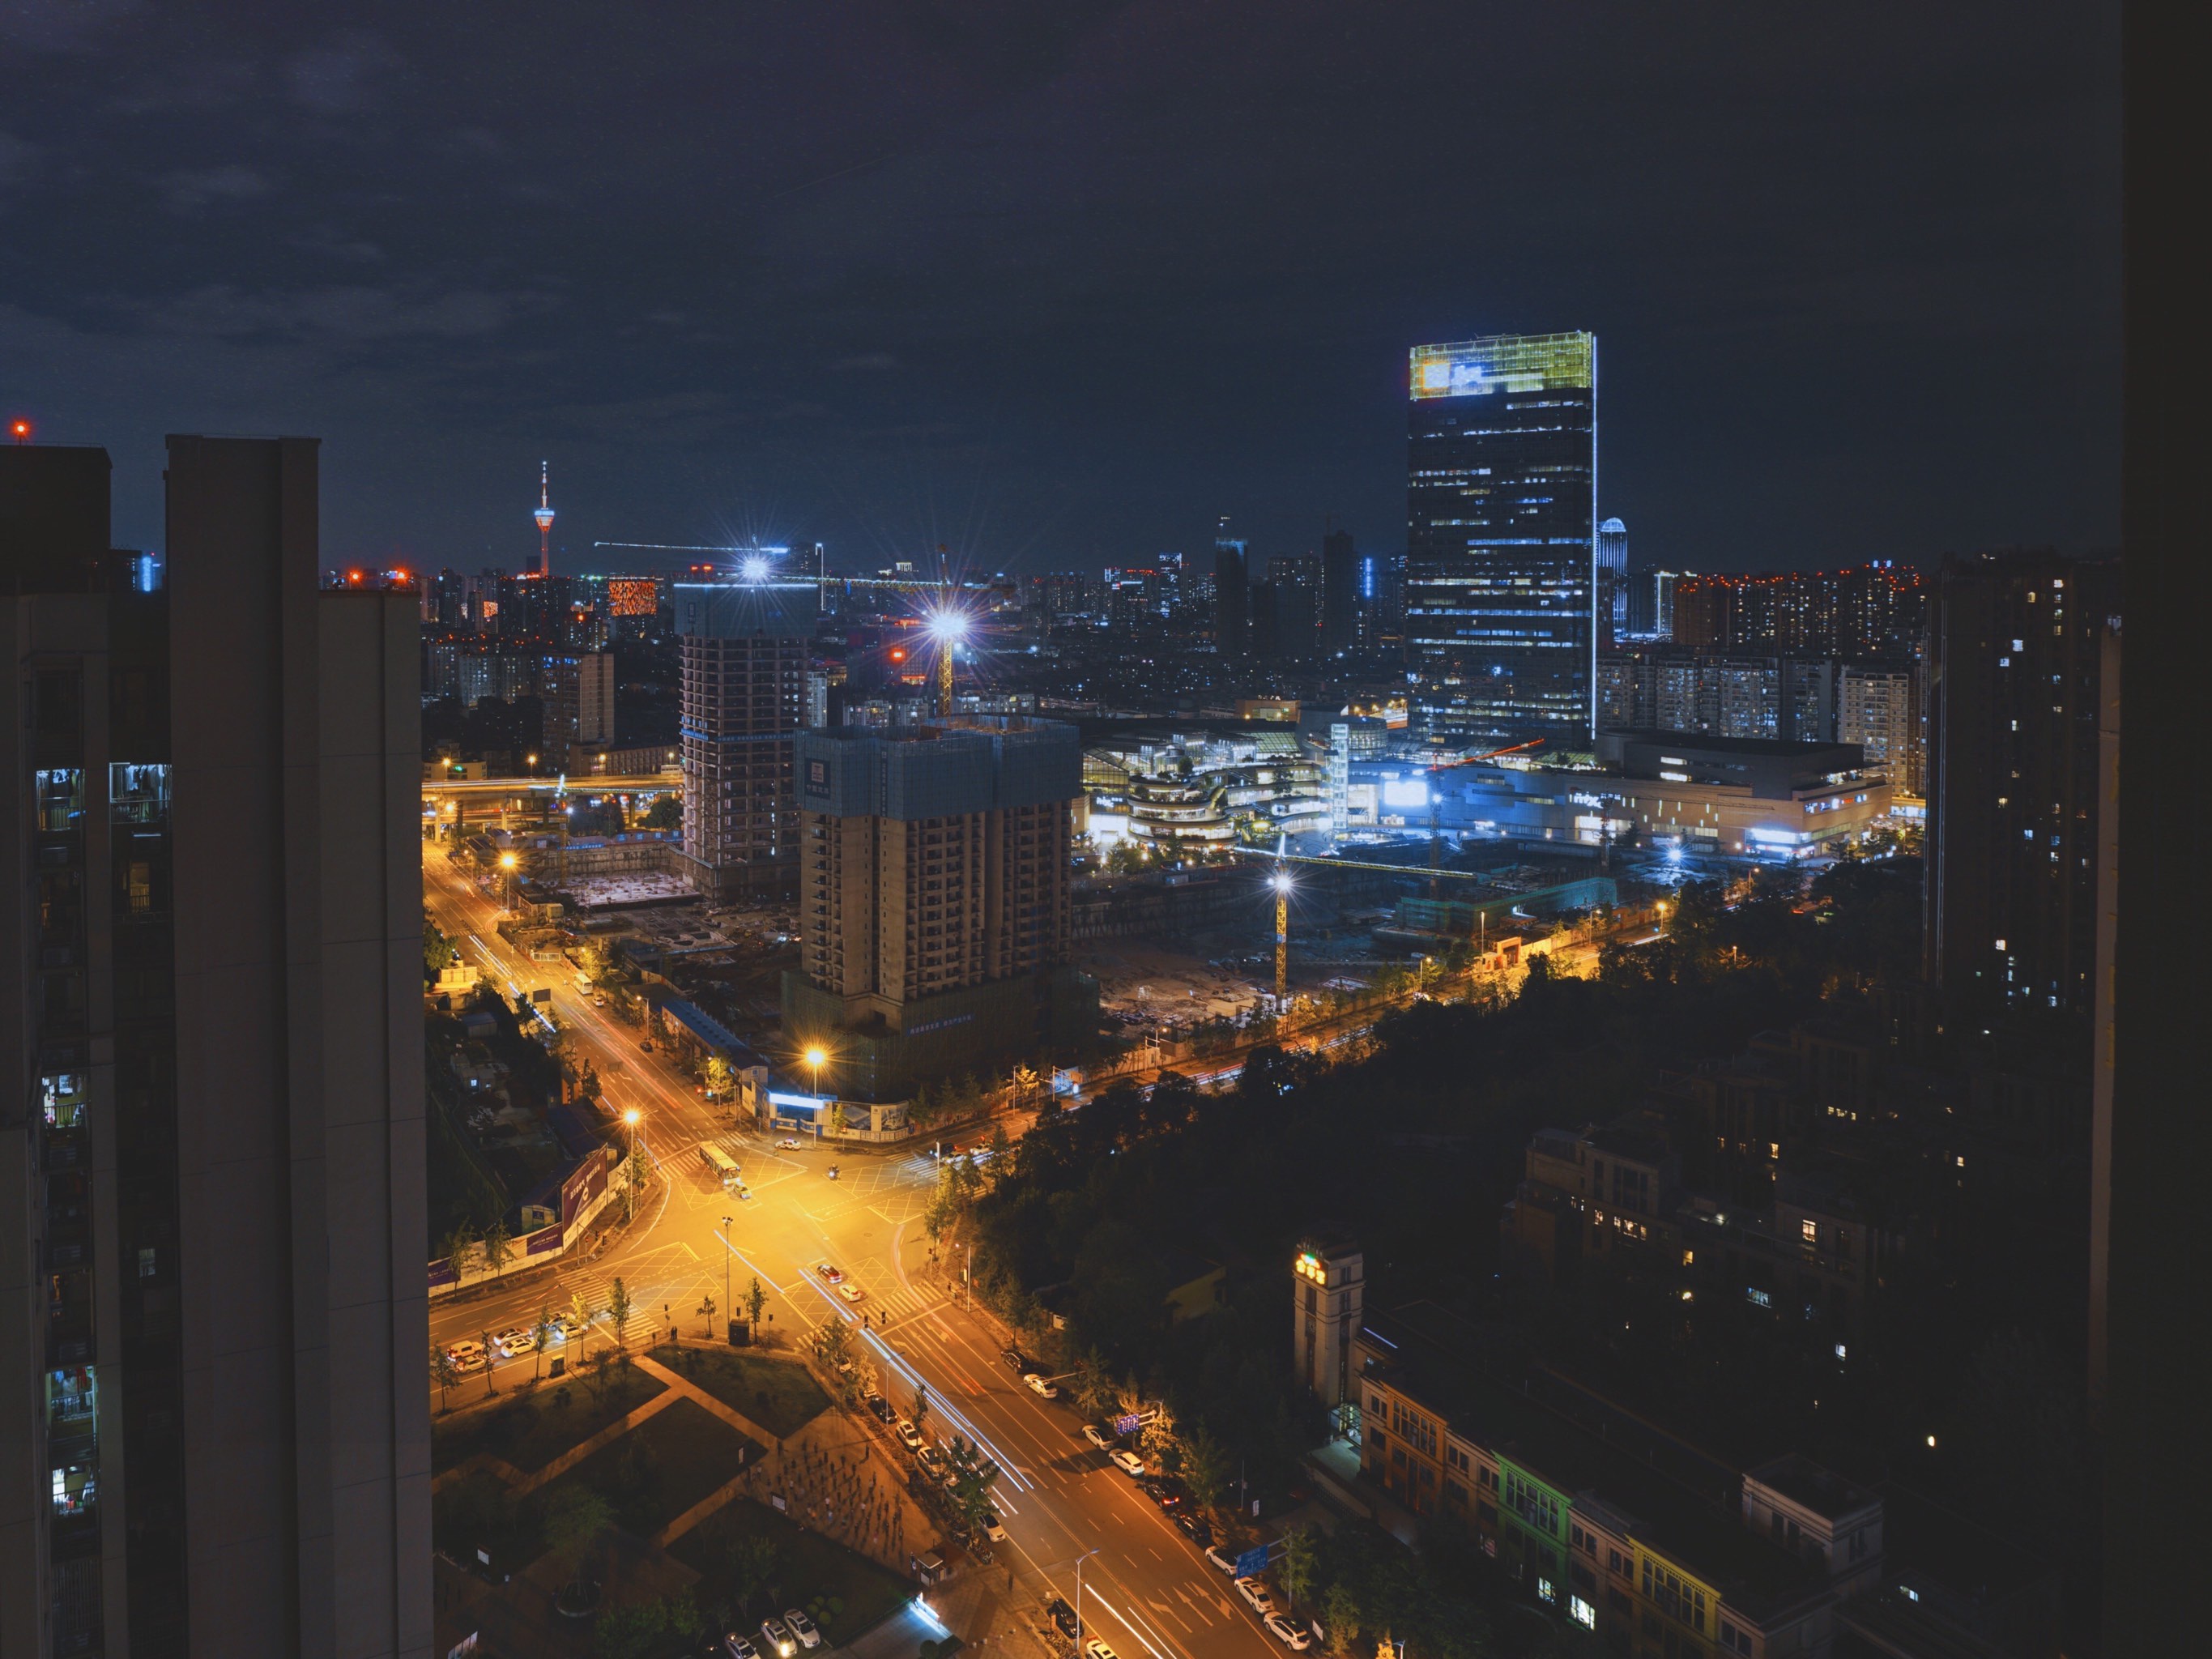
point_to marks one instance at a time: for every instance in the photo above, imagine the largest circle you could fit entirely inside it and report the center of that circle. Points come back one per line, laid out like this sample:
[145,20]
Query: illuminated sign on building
[1511,362]
[633,596]
[1405,792]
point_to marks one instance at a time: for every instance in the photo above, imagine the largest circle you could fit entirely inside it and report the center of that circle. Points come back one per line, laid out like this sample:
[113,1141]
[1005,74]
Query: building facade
[744,650]
[1232,595]
[2014,666]
[934,897]
[1879,708]
[1501,520]
[211,1180]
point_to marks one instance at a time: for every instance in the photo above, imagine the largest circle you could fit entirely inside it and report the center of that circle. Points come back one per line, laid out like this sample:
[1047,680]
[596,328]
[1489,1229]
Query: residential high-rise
[211,1135]
[1867,611]
[1501,521]
[2014,666]
[595,701]
[1232,596]
[936,923]
[744,655]
[1342,612]
[1878,707]
[1612,582]
[1326,1306]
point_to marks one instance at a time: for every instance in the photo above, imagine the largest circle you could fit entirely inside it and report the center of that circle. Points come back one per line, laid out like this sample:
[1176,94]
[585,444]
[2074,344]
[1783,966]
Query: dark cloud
[1086,275]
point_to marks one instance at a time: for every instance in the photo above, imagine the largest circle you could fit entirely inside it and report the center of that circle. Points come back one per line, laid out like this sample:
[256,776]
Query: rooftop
[1810,1487]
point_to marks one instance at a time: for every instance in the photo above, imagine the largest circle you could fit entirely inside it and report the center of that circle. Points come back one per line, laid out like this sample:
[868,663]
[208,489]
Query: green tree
[1204,1468]
[581,1313]
[752,1561]
[445,1373]
[629,1632]
[438,952]
[717,1076]
[1299,1568]
[618,1312]
[490,1354]
[835,1346]
[574,1521]
[707,1312]
[666,812]
[496,1251]
[918,1415]
[973,1475]
[543,1330]
[457,1241]
[1339,1617]
[1093,1384]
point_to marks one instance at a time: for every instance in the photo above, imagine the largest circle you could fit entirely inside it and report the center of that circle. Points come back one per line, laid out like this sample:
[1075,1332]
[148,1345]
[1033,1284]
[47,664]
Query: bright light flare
[815,1056]
[948,626]
[631,1116]
[754,569]
[1282,882]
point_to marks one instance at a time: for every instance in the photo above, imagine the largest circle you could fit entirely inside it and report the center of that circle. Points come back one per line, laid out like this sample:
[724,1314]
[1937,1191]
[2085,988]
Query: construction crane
[948,622]
[1281,881]
[1435,800]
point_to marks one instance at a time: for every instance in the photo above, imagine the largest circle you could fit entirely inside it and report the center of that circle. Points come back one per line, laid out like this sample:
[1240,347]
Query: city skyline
[457,249]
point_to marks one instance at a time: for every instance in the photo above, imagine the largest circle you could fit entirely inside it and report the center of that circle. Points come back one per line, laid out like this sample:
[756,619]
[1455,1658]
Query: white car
[852,1292]
[467,1356]
[994,1528]
[735,1646]
[777,1639]
[1095,1648]
[1099,1437]
[789,1144]
[1127,1462]
[563,1329]
[911,1437]
[1038,1386]
[1256,1593]
[520,1339]
[803,1628]
[1290,1634]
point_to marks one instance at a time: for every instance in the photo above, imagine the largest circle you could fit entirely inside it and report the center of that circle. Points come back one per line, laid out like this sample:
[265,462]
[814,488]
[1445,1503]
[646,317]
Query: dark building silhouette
[2014,668]
[1343,606]
[211,1139]
[1232,596]
[1501,521]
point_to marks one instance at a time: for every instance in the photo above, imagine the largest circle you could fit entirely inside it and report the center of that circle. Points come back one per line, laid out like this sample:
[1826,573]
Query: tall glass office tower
[1501,499]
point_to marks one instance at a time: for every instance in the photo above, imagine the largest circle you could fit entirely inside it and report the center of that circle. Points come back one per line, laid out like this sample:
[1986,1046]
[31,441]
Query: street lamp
[814,1056]
[1663,915]
[506,862]
[629,1186]
[1079,1560]
[727,1251]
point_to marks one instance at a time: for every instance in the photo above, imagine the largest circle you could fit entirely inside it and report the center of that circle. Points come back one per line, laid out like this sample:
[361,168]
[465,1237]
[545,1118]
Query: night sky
[1056,281]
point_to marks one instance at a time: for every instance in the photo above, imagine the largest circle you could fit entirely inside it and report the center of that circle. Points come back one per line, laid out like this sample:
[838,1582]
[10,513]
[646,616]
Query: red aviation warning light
[19,430]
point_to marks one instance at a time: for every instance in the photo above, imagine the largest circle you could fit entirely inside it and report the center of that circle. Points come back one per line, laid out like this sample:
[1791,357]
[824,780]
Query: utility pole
[727,1311]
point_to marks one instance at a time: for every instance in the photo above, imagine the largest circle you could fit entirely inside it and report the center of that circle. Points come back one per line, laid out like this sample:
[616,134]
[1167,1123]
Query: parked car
[1165,1490]
[1127,1462]
[1295,1637]
[881,1407]
[1039,1387]
[831,1274]
[803,1628]
[1222,1558]
[468,1355]
[911,1437]
[735,1646]
[852,1292]
[1193,1528]
[1256,1592]
[1015,1359]
[1101,1436]
[518,1341]
[1095,1648]
[994,1528]
[1062,1616]
[777,1639]
[646,1047]
[564,1328]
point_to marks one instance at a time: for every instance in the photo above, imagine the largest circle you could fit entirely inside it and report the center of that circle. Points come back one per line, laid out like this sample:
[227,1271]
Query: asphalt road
[1146,1589]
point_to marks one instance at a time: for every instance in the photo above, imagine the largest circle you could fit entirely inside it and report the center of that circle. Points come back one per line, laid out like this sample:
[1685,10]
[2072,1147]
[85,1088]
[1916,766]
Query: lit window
[1581,1612]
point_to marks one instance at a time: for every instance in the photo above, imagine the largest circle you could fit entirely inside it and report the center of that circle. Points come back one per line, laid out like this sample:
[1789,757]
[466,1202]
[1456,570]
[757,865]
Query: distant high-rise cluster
[1864,610]
[1501,522]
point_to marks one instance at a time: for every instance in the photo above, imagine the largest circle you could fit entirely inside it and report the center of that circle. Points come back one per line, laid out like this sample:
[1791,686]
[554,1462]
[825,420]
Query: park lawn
[661,1467]
[780,1395]
[814,1570]
[477,1513]
[530,1430]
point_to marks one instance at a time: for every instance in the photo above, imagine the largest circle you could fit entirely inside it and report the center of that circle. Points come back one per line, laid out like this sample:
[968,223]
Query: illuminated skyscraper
[1232,595]
[1501,520]
[1612,582]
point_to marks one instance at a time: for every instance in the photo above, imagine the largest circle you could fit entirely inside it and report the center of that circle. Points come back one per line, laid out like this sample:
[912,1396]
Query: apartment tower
[213,1318]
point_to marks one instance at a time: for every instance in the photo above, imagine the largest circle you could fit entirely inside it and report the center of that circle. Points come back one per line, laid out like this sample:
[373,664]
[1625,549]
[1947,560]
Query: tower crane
[1282,883]
[1435,801]
[948,622]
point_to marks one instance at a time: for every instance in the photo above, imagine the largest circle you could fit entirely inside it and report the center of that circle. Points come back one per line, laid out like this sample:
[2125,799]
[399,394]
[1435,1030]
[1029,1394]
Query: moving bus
[719,1163]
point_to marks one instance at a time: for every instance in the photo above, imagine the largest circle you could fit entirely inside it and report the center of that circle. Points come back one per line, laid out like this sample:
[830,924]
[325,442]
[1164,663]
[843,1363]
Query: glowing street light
[814,1056]
[754,569]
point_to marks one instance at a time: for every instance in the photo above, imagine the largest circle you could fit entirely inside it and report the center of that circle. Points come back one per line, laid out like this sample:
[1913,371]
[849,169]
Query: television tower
[544,517]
